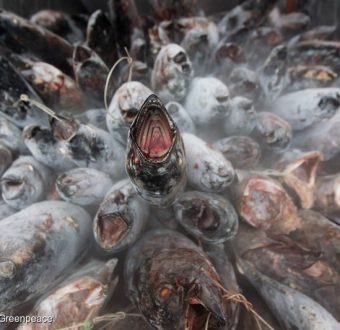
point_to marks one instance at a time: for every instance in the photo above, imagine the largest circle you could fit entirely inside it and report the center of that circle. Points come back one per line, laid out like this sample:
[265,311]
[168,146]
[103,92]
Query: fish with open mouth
[155,160]
[124,107]
[207,217]
[88,146]
[120,219]
[52,236]
[174,285]
[25,182]
[83,186]
[85,293]
[207,169]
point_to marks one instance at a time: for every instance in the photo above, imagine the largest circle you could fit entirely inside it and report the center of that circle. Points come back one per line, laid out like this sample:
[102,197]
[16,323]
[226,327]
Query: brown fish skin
[327,194]
[292,264]
[173,283]
[80,298]
[18,34]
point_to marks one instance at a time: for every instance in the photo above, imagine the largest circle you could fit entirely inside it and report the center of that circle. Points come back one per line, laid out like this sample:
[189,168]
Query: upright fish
[155,160]
[25,182]
[173,283]
[120,219]
[52,236]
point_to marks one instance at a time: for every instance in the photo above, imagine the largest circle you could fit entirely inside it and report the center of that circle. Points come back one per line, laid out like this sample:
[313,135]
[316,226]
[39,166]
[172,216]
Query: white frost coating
[83,186]
[307,107]
[180,117]
[242,118]
[129,97]
[207,100]
[207,169]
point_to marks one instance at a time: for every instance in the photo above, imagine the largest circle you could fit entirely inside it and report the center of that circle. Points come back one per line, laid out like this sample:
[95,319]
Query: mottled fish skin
[52,235]
[12,86]
[207,101]
[207,217]
[120,219]
[242,151]
[293,308]
[11,137]
[124,107]
[6,158]
[168,276]
[5,210]
[155,160]
[25,182]
[207,168]
[181,117]
[46,148]
[18,34]
[307,107]
[171,73]
[83,186]
[85,293]
[242,117]
[90,73]
[292,263]
[59,23]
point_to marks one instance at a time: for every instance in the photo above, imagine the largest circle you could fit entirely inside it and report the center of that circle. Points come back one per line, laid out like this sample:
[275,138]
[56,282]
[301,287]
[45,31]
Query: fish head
[180,292]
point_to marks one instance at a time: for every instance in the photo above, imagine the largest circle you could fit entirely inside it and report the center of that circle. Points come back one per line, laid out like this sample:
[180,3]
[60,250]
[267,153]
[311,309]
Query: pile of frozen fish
[205,196]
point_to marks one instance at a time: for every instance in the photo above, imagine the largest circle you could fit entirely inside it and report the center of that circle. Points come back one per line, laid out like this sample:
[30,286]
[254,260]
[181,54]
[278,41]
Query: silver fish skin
[83,186]
[12,85]
[95,117]
[88,146]
[5,210]
[207,169]
[123,109]
[85,294]
[207,101]
[323,137]
[6,158]
[171,73]
[242,117]
[120,219]
[207,217]
[52,235]
[181,117]
[25,182]
[11,137]
[155,160]
[46,148]
[291,307]
[307,107]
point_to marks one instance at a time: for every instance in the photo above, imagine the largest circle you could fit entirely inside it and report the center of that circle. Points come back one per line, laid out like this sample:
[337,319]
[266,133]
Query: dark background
[28,7]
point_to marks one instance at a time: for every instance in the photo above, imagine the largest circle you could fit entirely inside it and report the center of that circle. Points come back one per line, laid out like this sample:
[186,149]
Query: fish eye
[164,292]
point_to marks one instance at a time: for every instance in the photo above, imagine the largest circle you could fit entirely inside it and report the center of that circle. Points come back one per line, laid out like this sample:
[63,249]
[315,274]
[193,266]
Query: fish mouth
[111,230]
[129,115]
[198,316]
[13,187]
[153,130]
[64,129]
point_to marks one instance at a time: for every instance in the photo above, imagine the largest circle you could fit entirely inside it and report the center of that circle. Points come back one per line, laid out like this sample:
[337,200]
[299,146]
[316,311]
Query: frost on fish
[207,169]
[155,160]
[83,186]
[207,101]
[11,137]
[81,297]
[124,107]
[52,236]
[293,308]
[173,284]
[25,182]
[120,218]
[207,217]
[180,117]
